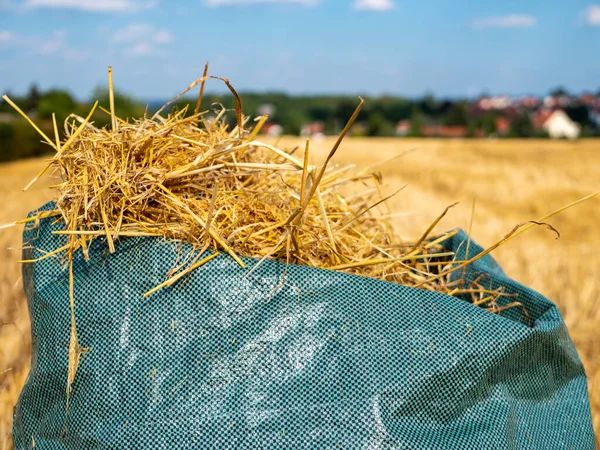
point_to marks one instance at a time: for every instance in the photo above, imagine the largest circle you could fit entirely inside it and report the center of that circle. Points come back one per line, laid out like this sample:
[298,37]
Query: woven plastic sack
[322,360]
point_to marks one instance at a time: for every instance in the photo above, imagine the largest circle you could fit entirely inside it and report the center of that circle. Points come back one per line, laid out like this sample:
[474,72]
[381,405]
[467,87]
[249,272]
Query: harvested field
[512,181]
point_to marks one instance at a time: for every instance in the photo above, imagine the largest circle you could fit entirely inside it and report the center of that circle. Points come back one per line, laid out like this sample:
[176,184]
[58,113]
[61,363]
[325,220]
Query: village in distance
[558,115]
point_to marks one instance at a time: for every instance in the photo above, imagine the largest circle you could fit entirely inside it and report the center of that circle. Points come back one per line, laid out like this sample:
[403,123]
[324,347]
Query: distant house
[552,101]
[529,101]
[497,102]
[266,109]
[7,117]
[402,128]
[559,125]
[444,131]
[272,129]
[314,129]
[588,99]
[539,118]
[484,103]
[502,126]
[595,116]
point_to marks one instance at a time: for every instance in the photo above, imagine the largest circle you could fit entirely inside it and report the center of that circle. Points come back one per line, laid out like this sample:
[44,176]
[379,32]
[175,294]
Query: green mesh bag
[326,360]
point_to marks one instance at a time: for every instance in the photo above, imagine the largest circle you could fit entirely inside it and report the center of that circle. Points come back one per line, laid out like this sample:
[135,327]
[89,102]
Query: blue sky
[157,47]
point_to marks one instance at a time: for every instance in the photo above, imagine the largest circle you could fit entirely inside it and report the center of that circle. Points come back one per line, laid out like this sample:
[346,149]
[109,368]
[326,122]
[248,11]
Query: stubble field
[510,182]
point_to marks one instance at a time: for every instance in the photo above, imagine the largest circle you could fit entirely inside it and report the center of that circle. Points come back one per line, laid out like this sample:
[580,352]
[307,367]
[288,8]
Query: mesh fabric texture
[325,360]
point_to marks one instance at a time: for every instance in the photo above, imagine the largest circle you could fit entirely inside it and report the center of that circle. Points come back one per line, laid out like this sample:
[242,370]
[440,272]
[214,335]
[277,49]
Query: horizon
[220,92]
[302,47]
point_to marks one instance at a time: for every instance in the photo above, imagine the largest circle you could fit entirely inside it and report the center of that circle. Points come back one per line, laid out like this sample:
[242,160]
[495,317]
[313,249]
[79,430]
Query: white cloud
[510,21]
[54,43]
[8,37]
[73,54]
[140,49]
[163,37]
[145,39]
[373,5]
[92,5]
[138,32]
[591,16]
[217,3]
[144,49]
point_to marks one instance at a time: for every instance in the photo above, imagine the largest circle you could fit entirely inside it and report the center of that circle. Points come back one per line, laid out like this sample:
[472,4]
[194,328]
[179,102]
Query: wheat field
[508,182]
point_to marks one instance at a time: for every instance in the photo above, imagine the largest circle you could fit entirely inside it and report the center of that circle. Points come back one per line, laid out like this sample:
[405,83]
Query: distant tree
[7,133]
[377,125]
[345,108]
[485,123]
[589,131]
[416,121]
[33,98]
[56,101]
[444,107]
[126,107]
[458,115]
[521,126]
[428,104]
[488,124]
[322,112]
[579,114]
[19,140]
[396,109]
[559,91]
[5,107]
[541,134]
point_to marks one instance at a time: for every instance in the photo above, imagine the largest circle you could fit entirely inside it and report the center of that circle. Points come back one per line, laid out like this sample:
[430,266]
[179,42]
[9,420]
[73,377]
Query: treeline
[379,117]
[18,139]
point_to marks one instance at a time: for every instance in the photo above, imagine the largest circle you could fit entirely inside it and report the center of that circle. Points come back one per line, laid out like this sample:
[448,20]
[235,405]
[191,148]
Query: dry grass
[513,182]
[15,339]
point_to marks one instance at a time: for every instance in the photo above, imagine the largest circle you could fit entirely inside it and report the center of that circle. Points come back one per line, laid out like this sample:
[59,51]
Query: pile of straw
[198,181]
[195,180]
